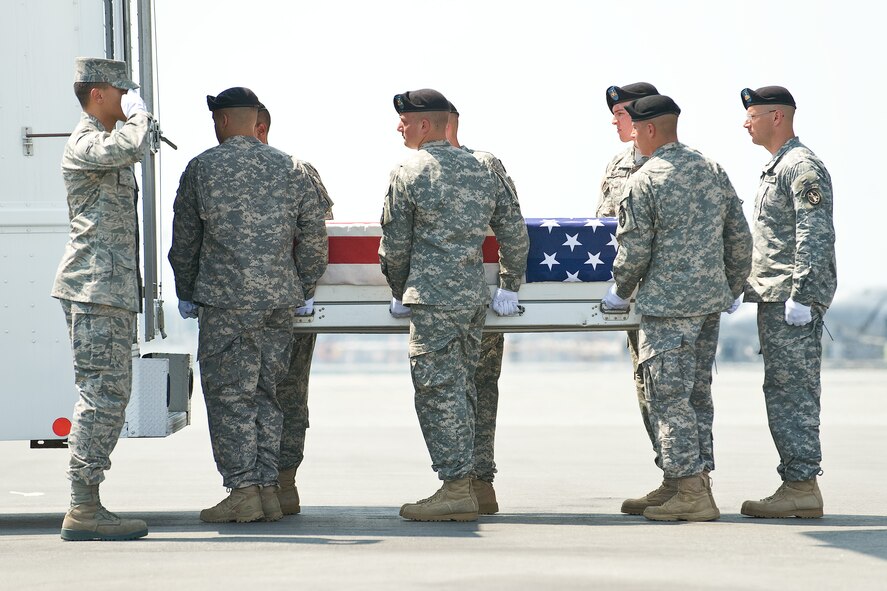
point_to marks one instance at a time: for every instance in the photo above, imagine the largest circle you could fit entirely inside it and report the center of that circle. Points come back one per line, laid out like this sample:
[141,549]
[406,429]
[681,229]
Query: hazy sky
[529,80]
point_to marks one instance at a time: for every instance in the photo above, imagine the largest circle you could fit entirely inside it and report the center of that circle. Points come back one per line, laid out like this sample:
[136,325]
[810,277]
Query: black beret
[767,95]
[453,109]
[423,100]
[233,97]
[649,107]
[629,92]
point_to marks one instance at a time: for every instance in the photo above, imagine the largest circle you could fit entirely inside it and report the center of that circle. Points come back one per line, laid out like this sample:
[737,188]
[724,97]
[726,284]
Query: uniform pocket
[651,352]
[123,277]
[100,342]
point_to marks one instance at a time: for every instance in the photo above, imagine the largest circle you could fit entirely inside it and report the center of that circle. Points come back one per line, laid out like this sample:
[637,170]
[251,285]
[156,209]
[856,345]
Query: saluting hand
[132,103]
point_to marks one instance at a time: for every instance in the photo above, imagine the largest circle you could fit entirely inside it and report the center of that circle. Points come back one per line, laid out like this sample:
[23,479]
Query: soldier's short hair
[82,90]
[264,116]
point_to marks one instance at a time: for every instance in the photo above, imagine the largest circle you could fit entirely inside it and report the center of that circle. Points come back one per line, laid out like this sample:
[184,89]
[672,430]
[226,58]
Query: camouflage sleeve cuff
[510,283]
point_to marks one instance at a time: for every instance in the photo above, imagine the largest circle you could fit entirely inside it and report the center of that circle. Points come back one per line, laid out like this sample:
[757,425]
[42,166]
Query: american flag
[561,249]
[571,249]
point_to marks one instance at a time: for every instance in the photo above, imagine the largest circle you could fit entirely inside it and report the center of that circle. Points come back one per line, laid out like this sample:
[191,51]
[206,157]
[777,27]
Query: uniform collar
[93,120]
[435,144]
[789,145]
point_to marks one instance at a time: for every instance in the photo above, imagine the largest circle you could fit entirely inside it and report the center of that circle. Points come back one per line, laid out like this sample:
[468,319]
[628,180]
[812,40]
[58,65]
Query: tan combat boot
[693,502]
[486,497]
[454,501]
[88,520]
[666,490]
[288,493]
[707,478]
[242,505]
[270,503]
[792,499]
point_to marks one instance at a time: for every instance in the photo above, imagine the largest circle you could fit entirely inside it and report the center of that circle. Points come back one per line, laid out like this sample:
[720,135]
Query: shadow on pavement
[370,525]
[871,542]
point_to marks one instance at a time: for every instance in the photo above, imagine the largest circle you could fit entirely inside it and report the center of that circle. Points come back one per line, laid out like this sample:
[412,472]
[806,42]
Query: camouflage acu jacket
[434,221]
[100,260]
[239,208]
[622,166]
[682,236]
[495,166]
[794,234]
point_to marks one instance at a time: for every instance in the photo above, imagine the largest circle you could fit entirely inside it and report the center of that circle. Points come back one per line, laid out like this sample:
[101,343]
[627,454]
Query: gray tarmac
[570,448]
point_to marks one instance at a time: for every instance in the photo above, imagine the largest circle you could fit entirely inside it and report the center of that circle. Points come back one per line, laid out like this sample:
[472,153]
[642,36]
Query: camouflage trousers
[101,340]
[243,355]
[486,383]
[292,393]
[444,349]
[676,355]
[792,361]
[638,375]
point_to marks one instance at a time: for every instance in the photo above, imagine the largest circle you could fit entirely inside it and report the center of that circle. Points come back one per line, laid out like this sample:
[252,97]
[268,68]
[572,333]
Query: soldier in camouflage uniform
[292,392]
[98,285]
[627,162]
[489,365]
[683,239]
[620,168]
[793,280]
[238,210]
[435,219]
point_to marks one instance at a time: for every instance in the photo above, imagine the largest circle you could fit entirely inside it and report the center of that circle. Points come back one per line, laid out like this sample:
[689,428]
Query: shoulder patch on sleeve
[625,214]
[807,186]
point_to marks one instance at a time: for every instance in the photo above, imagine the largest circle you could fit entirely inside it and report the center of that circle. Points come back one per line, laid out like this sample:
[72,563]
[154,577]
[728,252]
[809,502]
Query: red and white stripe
[354,255]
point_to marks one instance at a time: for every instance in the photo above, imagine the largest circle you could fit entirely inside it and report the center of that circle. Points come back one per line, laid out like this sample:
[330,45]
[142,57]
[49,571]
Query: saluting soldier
[439,205]
[793,280]
[98,284]
[239,208]
[492,349]
[683,238]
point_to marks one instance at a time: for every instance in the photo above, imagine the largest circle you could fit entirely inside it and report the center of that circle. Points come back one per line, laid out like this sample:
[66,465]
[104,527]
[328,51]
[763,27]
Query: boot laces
[104,515]
[433,497]
[776,494]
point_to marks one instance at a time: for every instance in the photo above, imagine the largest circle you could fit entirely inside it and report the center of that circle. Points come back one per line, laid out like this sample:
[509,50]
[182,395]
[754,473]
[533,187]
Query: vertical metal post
[109,29]
[149,185]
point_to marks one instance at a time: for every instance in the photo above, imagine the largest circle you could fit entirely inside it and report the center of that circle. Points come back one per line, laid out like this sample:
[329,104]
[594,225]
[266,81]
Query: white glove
[734,306]
[307,309]
[612,301]
[797,314]
[398,310]
[505,302]
[187,309]
[132,103]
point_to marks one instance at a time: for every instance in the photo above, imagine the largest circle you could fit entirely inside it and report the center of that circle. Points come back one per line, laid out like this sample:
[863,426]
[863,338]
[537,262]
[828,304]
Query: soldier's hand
[612,301]
[734,306]
[797,314]
[398,310]
[187,309]
[132,103]
[505,302]
[307,309]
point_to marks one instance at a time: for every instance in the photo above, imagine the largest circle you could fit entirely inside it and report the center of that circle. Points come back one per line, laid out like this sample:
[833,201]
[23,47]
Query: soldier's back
[688,198]
[248,202]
